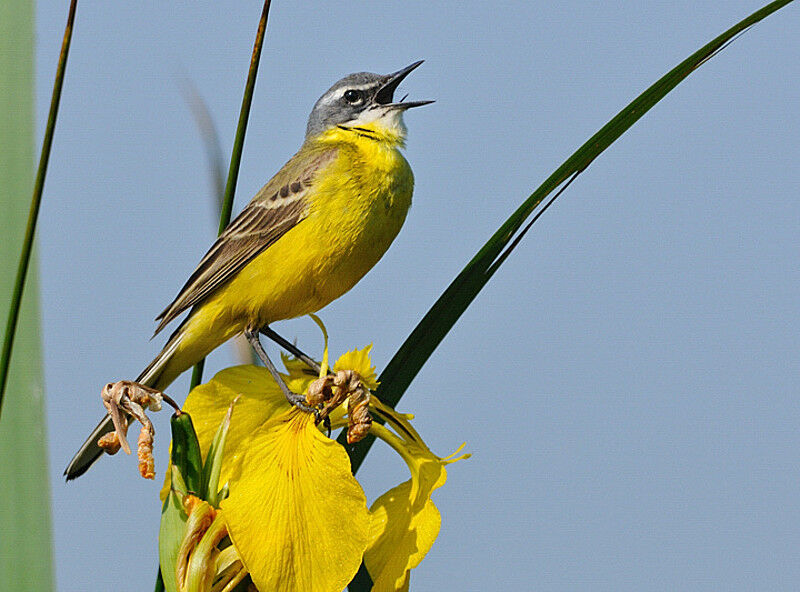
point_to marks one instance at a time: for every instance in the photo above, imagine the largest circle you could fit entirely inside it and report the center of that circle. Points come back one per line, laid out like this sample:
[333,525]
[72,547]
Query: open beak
[385,95]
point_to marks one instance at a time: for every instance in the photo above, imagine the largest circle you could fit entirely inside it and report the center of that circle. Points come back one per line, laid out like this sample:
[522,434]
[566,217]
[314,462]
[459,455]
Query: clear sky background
[628,383]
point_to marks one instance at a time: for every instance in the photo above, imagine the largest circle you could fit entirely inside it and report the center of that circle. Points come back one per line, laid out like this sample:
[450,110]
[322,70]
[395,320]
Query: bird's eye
[354,97]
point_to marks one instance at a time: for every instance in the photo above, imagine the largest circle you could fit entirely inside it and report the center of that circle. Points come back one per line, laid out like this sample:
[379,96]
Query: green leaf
[25,255]
[185,453]
[213,465]
[238,146]
[25,539]
[171,530]
[438,321]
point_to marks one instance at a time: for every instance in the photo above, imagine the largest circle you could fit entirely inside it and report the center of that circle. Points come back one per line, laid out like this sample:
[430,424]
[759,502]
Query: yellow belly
[357,208]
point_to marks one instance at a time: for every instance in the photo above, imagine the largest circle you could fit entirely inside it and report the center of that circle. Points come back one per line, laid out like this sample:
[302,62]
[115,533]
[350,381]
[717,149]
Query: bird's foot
[300,402]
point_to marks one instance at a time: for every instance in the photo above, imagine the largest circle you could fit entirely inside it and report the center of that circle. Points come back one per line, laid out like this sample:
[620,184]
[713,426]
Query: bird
[307,237]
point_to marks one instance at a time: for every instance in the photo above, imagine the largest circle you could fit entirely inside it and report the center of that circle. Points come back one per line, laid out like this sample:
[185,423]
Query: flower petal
[359,360]
[405,520]
[261,399]
[295,513]
[298,375]
[402,535]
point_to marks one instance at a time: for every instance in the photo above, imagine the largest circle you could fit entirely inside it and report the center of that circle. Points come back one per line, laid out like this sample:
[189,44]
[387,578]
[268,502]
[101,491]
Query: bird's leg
[300,355]
[291,348]
[298,401]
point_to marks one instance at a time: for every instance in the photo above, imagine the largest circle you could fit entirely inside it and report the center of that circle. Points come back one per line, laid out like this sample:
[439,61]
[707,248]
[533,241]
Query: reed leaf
[25,546]
[437,322]
[36,200]
[238,144]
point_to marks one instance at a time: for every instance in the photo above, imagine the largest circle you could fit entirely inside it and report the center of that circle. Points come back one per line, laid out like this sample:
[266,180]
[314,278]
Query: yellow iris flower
[296,516]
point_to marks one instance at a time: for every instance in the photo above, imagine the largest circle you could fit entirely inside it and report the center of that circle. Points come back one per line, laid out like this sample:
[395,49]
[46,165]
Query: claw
[301,403]
[326,422]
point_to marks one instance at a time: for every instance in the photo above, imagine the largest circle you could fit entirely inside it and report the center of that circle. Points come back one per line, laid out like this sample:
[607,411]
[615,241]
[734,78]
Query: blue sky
[628,381]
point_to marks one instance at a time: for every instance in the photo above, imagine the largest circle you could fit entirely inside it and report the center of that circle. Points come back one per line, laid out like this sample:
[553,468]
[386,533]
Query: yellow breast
[361,206]
[357,206]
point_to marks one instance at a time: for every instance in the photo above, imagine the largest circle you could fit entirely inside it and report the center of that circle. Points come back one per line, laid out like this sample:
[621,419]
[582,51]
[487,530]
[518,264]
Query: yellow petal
[296,515]
[403,533]
[405,520]
[359,360]
[299,375]
[208,403]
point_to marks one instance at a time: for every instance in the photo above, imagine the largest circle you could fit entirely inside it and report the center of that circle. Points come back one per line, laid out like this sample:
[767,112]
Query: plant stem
[238,144]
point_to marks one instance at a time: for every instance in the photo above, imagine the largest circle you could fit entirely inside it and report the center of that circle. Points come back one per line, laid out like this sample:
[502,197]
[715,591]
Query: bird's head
[363,99]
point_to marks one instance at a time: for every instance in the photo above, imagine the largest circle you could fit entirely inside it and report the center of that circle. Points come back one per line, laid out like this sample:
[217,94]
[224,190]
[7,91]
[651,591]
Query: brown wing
[279,206]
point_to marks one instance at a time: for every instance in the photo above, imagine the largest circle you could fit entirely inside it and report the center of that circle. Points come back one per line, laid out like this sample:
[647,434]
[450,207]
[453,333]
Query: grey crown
[332,109]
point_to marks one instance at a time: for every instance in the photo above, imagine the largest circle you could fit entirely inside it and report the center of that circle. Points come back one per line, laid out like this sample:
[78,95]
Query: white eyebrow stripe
[361,87]
[338,93]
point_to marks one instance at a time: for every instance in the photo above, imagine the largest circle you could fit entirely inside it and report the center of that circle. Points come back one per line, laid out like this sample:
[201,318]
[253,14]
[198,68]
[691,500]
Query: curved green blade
[25,544]
[437,322]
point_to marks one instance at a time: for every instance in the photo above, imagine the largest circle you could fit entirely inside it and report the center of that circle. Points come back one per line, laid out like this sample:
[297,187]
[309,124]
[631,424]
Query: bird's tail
[152,376]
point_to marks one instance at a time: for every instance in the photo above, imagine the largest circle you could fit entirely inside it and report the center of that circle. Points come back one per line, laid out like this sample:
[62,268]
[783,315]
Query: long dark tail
[90,452]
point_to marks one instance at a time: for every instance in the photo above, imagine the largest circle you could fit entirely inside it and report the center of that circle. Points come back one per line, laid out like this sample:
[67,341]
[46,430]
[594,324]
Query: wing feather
[277,208]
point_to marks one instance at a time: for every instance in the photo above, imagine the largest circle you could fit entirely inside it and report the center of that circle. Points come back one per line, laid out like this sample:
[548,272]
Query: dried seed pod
[358,418]
[125,399]
[319,391]
[109,442]
[147,465]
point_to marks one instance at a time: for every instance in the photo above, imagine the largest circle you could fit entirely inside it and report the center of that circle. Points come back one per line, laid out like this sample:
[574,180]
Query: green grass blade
[25,542]
[170,535]
[438,321]
[197,374]
[186,466]
[244,114]
[33,214]
[238,144]
[208,133]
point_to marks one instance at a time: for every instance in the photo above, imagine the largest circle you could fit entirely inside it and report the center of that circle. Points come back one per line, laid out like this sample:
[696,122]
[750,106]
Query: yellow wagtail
[305,239]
